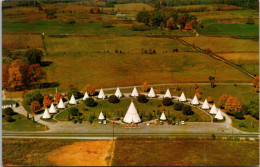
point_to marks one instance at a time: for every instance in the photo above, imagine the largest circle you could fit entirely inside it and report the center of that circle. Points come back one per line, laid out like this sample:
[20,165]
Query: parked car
[173,123]
[169,122]
[182,122]
[75,121]
[176,123]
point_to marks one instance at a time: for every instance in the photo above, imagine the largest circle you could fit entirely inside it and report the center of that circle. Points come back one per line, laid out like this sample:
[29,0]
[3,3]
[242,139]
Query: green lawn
[8,102]
[252,68]
[21,124]
[245,125]
[143,109]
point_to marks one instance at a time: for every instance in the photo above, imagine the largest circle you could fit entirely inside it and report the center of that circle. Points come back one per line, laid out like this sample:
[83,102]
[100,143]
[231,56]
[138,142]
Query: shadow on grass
[46,63]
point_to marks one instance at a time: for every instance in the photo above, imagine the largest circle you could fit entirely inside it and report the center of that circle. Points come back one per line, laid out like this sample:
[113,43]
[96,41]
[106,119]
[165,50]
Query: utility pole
[113,132]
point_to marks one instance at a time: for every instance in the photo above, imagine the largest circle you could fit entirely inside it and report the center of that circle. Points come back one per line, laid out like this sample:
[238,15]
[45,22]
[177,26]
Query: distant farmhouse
[120,15]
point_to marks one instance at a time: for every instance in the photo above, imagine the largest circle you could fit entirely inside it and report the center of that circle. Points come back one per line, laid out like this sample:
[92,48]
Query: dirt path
[86,153]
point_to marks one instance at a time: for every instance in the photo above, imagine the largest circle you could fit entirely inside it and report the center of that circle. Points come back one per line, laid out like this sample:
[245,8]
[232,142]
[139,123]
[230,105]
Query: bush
[186,110]
[107,24]
[73,111]
[8,118]
[141,27]
[215,120]
[167,101]
[75,93]
[142,99]
[210,99]
[34,56]
[149,116]
[113,99]
[90,102]
[239,115]
[35,106]
[90,118]
[178,106]
[71,21]
[33,96]
[9,111]
[213,136]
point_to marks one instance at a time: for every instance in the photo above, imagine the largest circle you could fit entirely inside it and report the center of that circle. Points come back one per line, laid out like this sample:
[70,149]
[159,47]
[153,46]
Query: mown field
[86,60]
[167,152]
[119,110]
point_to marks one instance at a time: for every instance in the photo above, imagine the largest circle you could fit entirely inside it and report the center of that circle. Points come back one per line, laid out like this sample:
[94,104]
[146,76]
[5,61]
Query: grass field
[84,61]
[21,124]
[166,152]
[143,109]
[247,124]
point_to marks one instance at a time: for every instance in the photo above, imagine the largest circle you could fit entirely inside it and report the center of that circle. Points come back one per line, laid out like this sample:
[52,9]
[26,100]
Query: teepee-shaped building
[182,97]
[195,101]
[72,100]
[168,94]
[213,110]
[101,94]
[61,104]
[205,105]
[101,116]
[85,96]
[46,114]
[163,117]
[219,115]
[134,92]
[151,93]
[118,93]
[132,115]
[52,109]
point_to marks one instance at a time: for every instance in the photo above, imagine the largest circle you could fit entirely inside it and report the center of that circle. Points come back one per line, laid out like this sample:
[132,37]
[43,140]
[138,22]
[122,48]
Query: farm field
[167,152]
[81,55]
[119,109]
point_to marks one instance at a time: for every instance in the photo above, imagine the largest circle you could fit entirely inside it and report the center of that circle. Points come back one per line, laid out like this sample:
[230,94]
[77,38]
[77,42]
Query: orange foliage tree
[170,23]
[210,99]
[15,76]
[198,91]
[35,106]
[47,101]
[145,87]
[198,96]
[5,76]
[223,100]
[58,96]
[233,105]
[90,89]
[256,81]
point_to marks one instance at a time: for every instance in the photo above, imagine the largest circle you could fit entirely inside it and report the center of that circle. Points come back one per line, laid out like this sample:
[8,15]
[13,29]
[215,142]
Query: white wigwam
[52,109]
[134,92]
[46,114]
[219,115]
[213,110]
[85,96]
[72,100]
[151,93]
[132,115]
[101,94]
[163,117]
[205,105]
[168,94]
[182,97]
[101,116]
[118,93]
[61,104]
[195,101]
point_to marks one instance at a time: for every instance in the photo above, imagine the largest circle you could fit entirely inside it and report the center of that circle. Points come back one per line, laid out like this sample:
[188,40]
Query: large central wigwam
[132,115]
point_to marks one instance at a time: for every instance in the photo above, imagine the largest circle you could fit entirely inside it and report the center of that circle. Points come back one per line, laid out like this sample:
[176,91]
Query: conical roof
[85,96]
[163,117]
[118,93]
[195,101]
[182,97]
[213,110]
[205,105]
[151,93]
[168,94]
[219,115]
[101,116]
[52,109]
[46,114]
[131,115]
[72,100]
[101,94]
[134,92]
[61,104]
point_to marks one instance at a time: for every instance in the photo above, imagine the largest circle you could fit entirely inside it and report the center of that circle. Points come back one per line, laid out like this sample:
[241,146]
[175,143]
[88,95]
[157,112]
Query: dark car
[74,122]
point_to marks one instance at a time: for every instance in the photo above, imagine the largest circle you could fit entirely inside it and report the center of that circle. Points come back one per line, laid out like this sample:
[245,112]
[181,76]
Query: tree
[15,75]
[58,96]
[73,111]
[239,115]
[90,89]
[232,105]
[186,110]
[145,87]
[8,118]
[47,101]
[149,116]
[167,101]
[170,23]
[223,100]
[75,92]
[212,81]
[5,76]
[210,99]
[113,99]
[35,74]
[256,81]
[33,96]
[178,106]
[196,85]
[198,91]
[198,96]
[9,111]
[34,56]
[90,118]
[142,99]
[90,102]
[35,106]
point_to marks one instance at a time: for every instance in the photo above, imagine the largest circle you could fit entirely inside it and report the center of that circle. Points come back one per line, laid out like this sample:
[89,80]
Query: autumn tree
[36,74]
[47,101]
[198,91]
[90,89]
[35,106]
[223,100]
[232,105]
[198,96]
[34,56]
[196,85]
[145,87]
[15,76]
[5,76]
[58,96]
[170,23]
[210,99]
[256,81]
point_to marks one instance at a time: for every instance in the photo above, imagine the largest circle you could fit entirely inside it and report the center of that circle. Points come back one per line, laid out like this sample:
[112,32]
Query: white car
[182,122]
